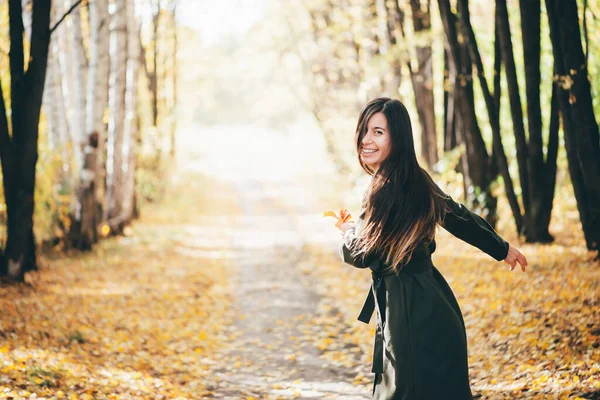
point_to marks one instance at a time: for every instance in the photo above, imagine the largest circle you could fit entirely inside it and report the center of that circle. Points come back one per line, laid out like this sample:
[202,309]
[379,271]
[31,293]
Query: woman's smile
[368,152]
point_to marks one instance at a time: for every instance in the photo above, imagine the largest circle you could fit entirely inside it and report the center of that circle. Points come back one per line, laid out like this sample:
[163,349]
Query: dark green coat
[420,342]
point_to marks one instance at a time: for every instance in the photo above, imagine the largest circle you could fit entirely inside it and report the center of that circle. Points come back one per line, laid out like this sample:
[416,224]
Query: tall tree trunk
[116,123]
[538,213]
[151,69]
[131,125]
[493,106]
[479,163]
[79,85]
[80,71]
[423,82]
[56,118]
[19,154]
[50,102]
[99,104]
[516,109]
[65,65]
[422,79]
[88,216]
[582,139]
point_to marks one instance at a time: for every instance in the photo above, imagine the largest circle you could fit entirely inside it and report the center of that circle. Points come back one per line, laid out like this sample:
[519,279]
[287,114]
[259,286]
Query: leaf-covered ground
[137,318]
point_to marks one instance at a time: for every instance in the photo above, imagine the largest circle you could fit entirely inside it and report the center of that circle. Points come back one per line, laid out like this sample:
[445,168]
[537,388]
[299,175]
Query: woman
[420,343]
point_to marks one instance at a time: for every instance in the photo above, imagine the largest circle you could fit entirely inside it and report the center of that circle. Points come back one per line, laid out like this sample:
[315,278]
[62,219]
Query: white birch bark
[53,105]
[95,100]
[65,61]
[116,122]
[97,90]
[54,102]
[64,134]
[65,72]
[131,126]
[98,74]
[80,71]
[49,103]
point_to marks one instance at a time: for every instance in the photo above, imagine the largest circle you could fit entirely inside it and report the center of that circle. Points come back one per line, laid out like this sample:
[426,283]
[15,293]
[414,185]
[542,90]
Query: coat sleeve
[473,229]
[346,248]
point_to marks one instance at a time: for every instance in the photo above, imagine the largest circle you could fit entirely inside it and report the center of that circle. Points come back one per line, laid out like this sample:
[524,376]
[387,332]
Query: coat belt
[377,298]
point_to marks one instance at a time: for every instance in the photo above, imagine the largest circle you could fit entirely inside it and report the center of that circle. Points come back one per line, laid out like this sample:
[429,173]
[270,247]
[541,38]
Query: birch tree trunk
[79,78]
[54,109]
[67,71]
[131,119]
[50,105]
[89,214]
[64,65]
[116,122]
[78,85]
[98,89]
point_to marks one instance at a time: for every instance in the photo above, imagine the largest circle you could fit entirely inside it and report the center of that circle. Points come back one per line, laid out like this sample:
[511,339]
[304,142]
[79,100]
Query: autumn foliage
[343,217]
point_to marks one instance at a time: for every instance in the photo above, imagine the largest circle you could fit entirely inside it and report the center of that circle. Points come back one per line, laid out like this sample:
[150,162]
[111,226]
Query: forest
[166,165]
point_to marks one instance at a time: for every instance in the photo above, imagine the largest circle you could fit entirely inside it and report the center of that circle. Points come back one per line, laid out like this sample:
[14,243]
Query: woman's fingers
[515,256]
[346,225]
[522,261]
[510,261]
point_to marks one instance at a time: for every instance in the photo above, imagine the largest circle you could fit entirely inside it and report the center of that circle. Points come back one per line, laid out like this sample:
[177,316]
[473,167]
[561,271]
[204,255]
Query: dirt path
[271,354]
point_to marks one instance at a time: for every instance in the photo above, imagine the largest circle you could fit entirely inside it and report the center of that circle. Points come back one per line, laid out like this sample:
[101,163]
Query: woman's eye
[379,132]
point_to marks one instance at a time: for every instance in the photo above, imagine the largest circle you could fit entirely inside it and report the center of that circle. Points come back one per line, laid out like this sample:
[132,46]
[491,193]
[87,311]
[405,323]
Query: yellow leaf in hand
[329,214]
[345,215]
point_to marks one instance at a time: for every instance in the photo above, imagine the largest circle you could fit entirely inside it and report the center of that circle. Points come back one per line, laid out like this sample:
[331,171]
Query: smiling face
[375,145]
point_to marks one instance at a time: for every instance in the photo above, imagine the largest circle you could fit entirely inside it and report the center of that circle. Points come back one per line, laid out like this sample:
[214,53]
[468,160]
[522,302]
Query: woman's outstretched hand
[345,226]
[515,256]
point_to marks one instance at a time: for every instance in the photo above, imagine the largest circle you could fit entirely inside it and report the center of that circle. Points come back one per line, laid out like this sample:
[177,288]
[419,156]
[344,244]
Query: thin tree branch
[78,2]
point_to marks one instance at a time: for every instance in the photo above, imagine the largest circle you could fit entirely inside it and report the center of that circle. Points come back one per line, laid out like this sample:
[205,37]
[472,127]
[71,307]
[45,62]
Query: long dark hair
[402,205]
